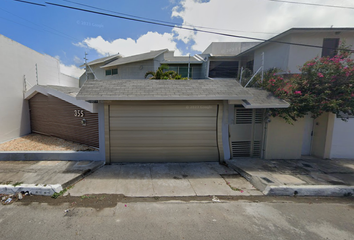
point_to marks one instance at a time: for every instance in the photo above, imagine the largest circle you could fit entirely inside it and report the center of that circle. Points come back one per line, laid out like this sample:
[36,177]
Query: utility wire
[22,24]
[37,4]
[312,4]
[56,31]
[40,30]
[186,28]
[155,20]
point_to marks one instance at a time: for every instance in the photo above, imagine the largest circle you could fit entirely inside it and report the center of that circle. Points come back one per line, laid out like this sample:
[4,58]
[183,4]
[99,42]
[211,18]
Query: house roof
[102,60]
[67,94]
[228,48]
[181,60]
[206,89]
[71,91]
[135,58]
[263,99]
[276,38]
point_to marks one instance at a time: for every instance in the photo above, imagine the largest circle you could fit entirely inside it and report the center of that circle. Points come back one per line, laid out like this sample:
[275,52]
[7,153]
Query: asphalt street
[266,218]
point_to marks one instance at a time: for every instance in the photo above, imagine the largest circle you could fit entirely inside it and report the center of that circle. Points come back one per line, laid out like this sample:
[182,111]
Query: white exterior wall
[68,81]
[300,55]
[16,61]
[134,70]
[343,139]
[307,137]
[275,55]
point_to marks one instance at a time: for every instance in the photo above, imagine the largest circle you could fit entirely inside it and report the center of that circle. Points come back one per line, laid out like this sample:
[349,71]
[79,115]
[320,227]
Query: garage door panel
[163,123]
[163,110]
[163,133]
[163,154]
[163,138]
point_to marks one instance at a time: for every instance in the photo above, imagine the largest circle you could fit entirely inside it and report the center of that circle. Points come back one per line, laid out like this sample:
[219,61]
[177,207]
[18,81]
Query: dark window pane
[114,71]
[249,65]
[109,72]
[330,46]
[172,69]
[223,69]
[183,71]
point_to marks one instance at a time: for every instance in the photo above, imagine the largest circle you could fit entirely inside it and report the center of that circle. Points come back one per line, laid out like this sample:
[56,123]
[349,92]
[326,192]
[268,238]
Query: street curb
[256,182]
[239,170]
[46,189]
[292,190]
[34,189]
[81,176]
[310,190]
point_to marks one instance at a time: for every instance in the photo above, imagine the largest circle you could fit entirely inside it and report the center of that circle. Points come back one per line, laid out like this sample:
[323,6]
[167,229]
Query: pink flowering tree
[324,85]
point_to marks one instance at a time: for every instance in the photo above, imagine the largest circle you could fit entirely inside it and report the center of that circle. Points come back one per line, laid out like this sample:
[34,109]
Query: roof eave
[287,32]
[248,105]
[180,62]
[149,58]
[91,107]
[224,98]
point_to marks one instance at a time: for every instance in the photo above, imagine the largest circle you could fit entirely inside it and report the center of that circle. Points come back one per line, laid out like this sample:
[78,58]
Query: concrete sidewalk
[305,177]
[42,177]
[165,180]
[133,180]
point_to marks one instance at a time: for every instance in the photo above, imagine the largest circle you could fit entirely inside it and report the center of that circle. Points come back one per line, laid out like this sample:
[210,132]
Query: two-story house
[327,136]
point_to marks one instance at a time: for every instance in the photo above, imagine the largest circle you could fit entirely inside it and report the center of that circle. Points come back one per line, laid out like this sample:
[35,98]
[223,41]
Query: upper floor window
[113,71]
[329,47]
[223,69]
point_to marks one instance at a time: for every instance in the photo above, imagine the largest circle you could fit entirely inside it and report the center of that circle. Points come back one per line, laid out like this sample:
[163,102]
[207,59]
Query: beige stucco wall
[299,55]
[283,140]
[292,57]
[322,135]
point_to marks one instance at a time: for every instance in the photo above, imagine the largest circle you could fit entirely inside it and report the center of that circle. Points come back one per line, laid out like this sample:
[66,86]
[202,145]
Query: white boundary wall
[16,61]
[343,139]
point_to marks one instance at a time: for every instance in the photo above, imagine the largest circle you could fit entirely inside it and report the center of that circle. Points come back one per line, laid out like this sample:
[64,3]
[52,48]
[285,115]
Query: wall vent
[241,149]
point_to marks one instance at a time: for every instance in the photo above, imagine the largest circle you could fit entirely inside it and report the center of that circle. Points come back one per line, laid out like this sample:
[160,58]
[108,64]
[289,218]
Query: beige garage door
[163,133]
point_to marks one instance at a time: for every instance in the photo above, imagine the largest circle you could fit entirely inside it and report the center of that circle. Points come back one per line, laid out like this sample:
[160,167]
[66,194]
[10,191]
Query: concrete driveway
[165,180]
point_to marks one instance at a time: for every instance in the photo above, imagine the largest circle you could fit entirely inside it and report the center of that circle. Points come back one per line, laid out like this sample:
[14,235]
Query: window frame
[109,72]
[328,51]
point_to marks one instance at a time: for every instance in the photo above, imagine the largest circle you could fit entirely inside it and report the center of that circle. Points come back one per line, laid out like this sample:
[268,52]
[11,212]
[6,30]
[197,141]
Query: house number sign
[79,113]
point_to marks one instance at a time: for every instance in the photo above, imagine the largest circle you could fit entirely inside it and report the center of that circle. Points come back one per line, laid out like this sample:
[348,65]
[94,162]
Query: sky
[67,34]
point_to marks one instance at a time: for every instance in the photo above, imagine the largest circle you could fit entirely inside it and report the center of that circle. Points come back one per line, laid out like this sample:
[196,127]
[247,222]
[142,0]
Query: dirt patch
[101,201]
[38,142]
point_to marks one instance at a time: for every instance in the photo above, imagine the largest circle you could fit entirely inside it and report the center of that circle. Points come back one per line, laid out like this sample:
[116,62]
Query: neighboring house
[217,61]
[93,70]
[21,68]
[288,57]
[325,137]
[134,67]
[222,60]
